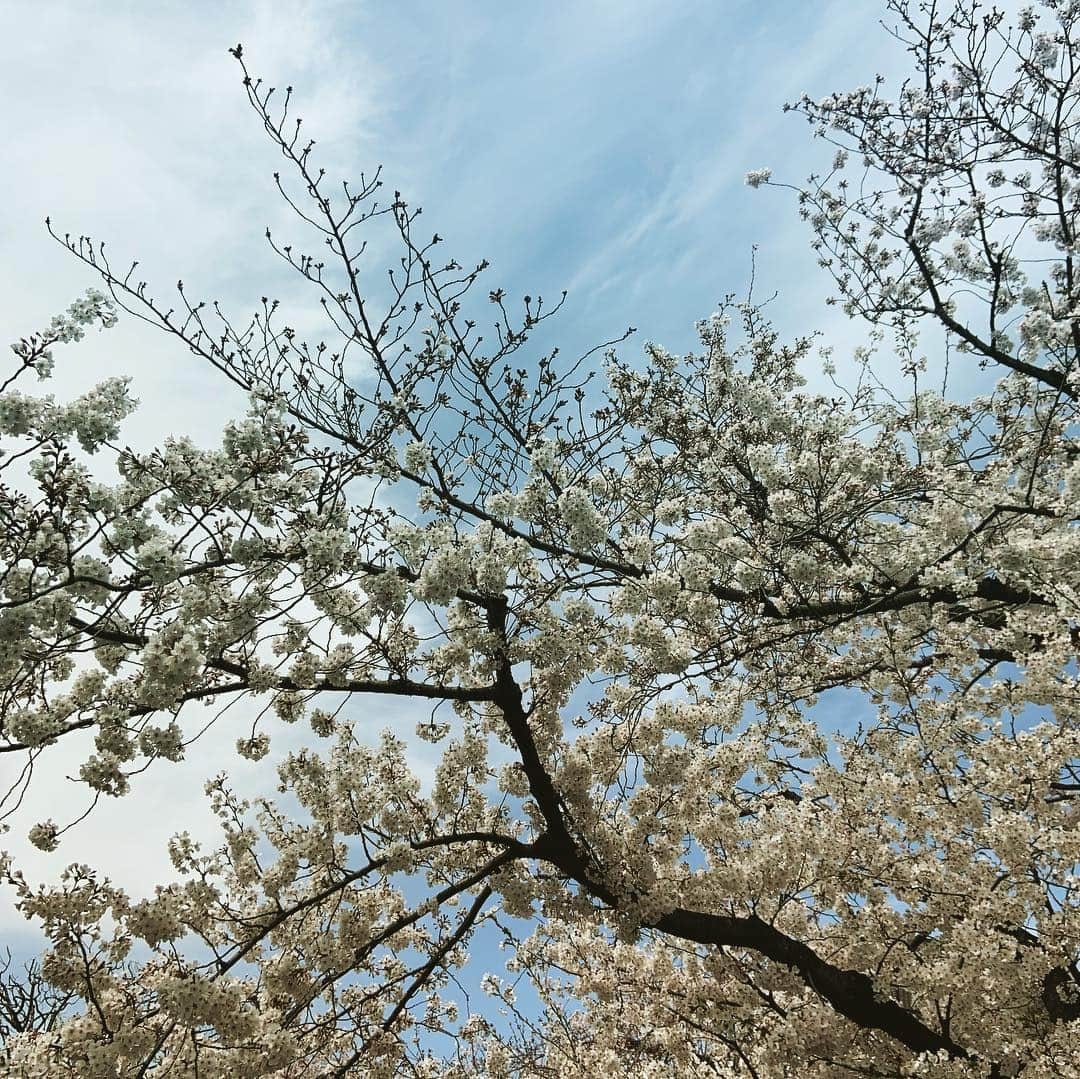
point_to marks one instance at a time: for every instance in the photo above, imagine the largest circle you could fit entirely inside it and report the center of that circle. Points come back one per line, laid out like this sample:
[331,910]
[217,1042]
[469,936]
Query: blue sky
[599,147]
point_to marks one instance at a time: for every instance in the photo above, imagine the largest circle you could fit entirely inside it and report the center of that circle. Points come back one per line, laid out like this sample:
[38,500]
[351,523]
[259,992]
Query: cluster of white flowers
[159,560]
[94,417]
[248,549]
[33,726]
[155,920]
[44,835]
[544,455]
[326,549]
[254,748]
[166,742]
[445,571]
[171,659]
[104,772]
[93,306]
[1040,330]
[502,504]
[386,591]
[35,352]
[18,414]
[417,456]
[587,529]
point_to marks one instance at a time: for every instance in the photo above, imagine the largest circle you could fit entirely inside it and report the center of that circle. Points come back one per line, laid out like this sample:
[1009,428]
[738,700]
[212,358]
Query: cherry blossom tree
[615,602]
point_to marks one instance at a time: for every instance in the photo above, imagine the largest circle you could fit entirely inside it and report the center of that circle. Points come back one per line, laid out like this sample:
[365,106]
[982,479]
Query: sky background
[599,147]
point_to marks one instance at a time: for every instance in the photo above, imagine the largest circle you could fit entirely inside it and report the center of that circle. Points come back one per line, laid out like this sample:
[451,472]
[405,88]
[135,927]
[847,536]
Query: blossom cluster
[623,640]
